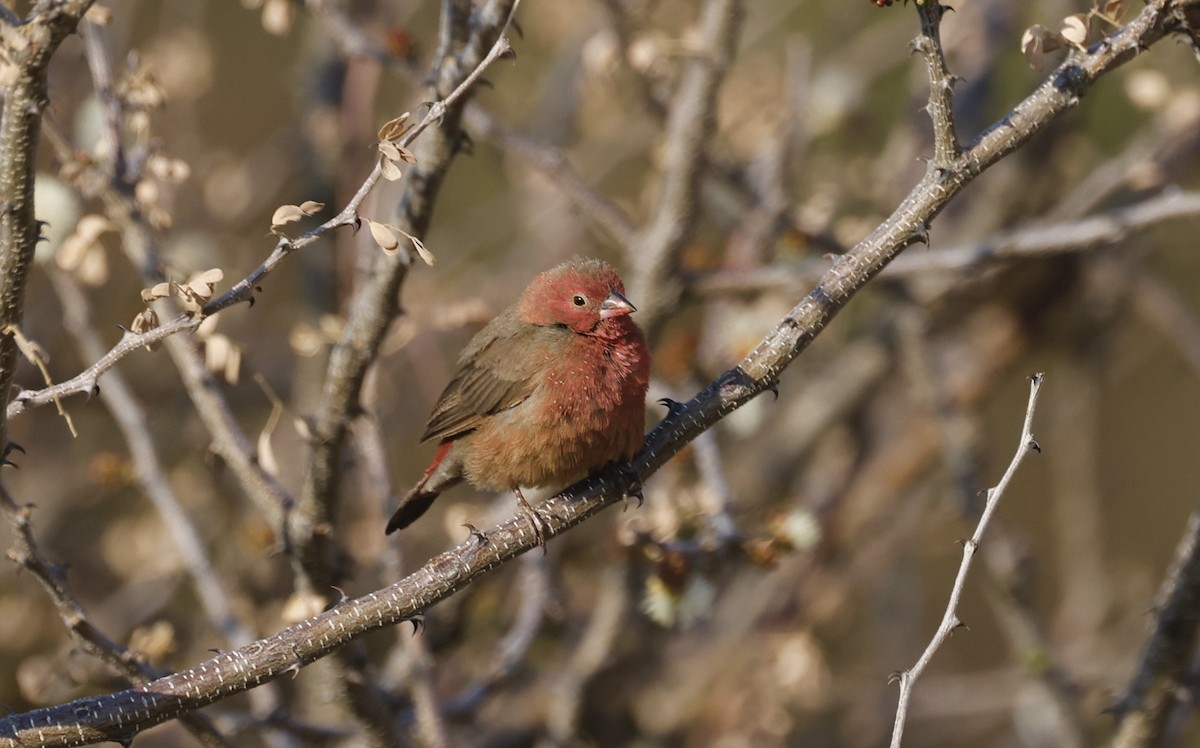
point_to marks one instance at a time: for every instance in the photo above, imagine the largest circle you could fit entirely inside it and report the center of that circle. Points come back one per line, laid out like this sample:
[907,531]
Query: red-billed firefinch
[550,390]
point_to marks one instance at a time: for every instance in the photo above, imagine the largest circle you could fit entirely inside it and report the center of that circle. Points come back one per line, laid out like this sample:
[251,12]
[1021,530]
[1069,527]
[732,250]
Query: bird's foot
[633,485]
[535,519]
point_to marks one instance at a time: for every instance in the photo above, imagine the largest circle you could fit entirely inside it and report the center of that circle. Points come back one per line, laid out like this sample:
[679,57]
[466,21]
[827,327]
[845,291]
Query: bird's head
[585,295]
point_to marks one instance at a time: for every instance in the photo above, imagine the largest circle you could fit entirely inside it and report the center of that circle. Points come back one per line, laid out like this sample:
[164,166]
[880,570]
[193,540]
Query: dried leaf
[154,642]
[394,129]
[157,291]
[190,303]
[266,454]
[1075,29]
[301,606]
[145,321]
[212,275]
[207,327]
[202,285]
[406,155]
[93,270]
[278,16]
[286,214]
[384,235]
[1114,9]
[424,252]
[170,170]
[1036,42]
[389,150]
[222,356]
[83,238]
[311,207]
[389,170]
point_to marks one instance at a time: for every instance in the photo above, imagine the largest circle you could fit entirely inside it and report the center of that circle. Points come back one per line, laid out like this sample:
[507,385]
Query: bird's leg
[535,519]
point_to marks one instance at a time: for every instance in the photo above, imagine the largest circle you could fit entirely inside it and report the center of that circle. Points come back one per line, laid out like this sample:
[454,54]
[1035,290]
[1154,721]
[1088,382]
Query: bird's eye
[578,300]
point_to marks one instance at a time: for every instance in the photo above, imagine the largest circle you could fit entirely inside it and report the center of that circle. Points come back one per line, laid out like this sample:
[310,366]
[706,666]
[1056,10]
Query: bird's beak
[615,305]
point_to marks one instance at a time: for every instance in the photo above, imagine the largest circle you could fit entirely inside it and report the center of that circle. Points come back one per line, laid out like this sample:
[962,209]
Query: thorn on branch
[897,676]
[474,533]
[673,406]
[921,233]
[418,624]
[342,597]
[1035,446]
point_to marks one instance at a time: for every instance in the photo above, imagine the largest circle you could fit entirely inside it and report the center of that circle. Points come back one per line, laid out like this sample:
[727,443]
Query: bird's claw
[9,448]
[535,519]
[633,486]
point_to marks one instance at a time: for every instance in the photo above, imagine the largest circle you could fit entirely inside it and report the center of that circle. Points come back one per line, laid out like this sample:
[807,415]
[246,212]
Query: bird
[551,390]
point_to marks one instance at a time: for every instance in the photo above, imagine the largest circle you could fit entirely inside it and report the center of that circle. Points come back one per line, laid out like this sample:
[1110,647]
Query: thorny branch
[950,620]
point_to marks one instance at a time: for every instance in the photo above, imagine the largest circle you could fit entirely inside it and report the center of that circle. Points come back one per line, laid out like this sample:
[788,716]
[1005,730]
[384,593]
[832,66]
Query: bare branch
[941,84]
[950,620]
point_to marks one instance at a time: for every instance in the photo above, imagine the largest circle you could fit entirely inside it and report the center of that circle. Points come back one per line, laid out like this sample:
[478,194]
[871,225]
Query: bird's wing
[495,373]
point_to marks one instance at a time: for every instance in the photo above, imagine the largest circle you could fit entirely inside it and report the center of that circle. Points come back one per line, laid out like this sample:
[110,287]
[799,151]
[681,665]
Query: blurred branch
[950,622]
[376,487]
[1035,241]
[1101,230]
[534,584]
[593,651]
[1161,305]
[131,419]
[1164,665]
[53,577]
[553,163]
[689,125]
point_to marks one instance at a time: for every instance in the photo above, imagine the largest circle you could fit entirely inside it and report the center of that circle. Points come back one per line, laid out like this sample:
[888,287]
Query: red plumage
[550,390]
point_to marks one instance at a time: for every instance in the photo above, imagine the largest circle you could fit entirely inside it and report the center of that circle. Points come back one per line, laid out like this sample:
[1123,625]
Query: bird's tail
[441,474]
[412,506]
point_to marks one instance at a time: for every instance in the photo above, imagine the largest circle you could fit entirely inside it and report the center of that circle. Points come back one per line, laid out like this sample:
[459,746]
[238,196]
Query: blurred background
[792,558]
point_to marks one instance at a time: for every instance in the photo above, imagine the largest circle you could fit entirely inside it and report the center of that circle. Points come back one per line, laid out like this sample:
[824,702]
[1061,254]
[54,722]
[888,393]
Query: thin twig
[950,621]
[243,290]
